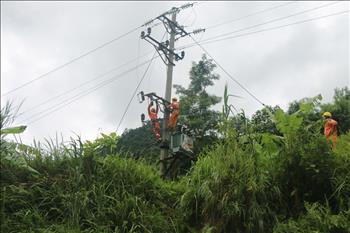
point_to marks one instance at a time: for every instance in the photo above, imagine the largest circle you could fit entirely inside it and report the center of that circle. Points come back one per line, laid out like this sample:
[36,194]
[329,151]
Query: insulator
[182,54]
[186,5]
[142,34]
[149,30]
[173,10]
[141,97]
[198,31]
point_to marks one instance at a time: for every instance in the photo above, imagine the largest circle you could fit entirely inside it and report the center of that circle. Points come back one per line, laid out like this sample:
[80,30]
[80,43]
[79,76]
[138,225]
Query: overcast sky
[277,66]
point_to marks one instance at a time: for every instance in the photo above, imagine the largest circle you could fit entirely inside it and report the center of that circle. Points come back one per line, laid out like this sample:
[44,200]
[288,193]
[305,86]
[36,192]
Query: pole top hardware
[163,47]
[169,12]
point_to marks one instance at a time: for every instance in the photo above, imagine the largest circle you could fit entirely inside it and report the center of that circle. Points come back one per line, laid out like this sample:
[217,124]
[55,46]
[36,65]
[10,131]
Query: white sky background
[277,66]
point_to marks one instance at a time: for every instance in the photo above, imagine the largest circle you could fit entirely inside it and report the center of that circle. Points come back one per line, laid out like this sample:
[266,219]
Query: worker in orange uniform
[153,115]
[330,128]
[174,108]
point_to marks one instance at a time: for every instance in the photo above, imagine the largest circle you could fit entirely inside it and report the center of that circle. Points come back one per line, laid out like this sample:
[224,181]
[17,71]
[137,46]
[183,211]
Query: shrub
[89,194]
[226,192]
[317,219]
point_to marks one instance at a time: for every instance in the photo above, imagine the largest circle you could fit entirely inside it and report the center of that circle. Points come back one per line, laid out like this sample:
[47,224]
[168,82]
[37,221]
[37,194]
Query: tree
[103,146]
[262,122]
[140,143]
[340,108]
[195,101]
[315,112]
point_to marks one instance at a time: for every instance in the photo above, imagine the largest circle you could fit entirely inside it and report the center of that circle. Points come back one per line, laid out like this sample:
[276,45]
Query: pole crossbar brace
[172,28]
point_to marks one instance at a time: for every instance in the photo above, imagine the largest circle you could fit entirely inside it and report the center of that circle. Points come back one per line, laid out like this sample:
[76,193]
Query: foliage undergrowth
[86,194]
[288,179]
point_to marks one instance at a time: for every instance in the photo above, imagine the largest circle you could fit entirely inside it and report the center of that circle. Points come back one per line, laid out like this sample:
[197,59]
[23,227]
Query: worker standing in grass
[330,128]
[174,108]
[153,115]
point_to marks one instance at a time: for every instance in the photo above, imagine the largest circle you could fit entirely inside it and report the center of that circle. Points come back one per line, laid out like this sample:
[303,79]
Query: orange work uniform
[155,123]
[330,130]
[175,107]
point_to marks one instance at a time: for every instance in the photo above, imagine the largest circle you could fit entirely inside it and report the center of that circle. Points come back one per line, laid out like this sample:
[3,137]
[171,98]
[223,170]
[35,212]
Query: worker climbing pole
[174,109]
[153,115]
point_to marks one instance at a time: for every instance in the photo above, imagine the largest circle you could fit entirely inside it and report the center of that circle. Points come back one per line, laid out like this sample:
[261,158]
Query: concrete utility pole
[169,80]
[166,52]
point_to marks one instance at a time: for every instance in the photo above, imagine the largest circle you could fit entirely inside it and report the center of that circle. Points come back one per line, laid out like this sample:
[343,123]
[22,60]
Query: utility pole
[169,79]
[168,55]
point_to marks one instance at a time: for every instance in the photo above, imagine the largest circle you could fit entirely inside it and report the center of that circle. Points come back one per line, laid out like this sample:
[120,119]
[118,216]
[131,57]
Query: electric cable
[80,95]
[71,61]
[273,28]
[252,14]
[86,92]
[227,73]
[83,84]
[138,85]
[138,56]
[136,89]
[269,21]
[277,19]
[298,22]
[75,59]
[264,30]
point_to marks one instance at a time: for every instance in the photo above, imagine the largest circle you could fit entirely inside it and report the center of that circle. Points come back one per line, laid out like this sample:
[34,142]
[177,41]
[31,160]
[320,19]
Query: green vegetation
[195,103]
[273,173]
[73,191]
[139,143]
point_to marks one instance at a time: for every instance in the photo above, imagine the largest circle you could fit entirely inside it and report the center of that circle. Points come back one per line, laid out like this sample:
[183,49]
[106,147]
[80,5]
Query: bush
[89,194]
[341,175]
[226,192]
[317,219]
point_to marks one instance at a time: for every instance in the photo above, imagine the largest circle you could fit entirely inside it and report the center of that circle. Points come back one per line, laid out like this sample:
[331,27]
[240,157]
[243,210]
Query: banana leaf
[14,130]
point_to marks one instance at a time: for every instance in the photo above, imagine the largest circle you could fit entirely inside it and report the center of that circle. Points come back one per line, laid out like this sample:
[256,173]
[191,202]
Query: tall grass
[87,194]
[290,182]
[226,192]
[319,219]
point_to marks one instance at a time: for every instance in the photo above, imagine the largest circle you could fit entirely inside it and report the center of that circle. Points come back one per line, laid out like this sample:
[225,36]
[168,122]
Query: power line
[227,73]
[136,89]
[266,29]
[86,92]
[138,85]
[83,84]
[71,61]
[80,95]
[273,28]
[89,52]
[249,15]
[298,22]
[269,21]
[278,19]
[203,42]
